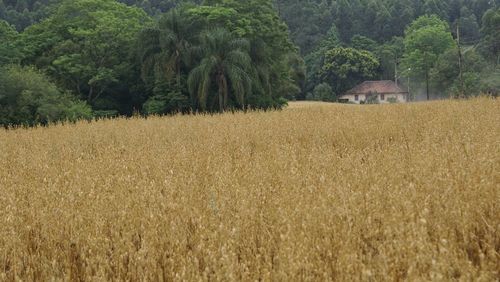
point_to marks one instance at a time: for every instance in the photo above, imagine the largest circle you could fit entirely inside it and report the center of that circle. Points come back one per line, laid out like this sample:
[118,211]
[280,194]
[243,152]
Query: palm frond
[240,43]
[239,58]
[240,82]
[199,80]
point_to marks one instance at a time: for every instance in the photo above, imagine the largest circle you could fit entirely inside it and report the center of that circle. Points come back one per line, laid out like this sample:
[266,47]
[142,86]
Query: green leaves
[425,40]
[86,45]
[490,43]
[29,98]
[228,50]
[323,92]
[225,65]
[9,52]
[345,67]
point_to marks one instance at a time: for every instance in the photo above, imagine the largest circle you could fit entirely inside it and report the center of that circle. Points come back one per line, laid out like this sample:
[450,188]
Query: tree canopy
[346,67]
[426,39]
[27,98]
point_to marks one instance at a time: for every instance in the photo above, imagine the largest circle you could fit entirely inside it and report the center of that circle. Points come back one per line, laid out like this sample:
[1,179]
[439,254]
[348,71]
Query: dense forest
[70,59]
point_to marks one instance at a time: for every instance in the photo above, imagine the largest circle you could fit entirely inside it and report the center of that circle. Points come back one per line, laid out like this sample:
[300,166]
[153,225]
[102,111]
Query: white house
[384,91]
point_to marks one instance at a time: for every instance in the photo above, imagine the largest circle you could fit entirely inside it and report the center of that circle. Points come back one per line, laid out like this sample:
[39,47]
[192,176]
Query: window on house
[382,97]
[356,97]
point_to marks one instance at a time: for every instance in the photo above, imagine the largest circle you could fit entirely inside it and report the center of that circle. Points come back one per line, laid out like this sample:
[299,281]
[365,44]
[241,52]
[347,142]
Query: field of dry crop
[314,192]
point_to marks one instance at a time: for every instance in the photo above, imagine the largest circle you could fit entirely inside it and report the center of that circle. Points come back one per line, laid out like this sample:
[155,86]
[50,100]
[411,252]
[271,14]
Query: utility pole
[409,96]
[396,71]
[460,60]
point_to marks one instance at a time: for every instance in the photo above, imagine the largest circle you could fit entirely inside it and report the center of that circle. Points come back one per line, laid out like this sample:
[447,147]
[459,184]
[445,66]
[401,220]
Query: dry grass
[307,104]
[328,192]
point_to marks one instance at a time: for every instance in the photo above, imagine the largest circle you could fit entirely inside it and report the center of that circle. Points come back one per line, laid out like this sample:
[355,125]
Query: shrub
[392,100]
[323,92]
[28,98]
[372,99]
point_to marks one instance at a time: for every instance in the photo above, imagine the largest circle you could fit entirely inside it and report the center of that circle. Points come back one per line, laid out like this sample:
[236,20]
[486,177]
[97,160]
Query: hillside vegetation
[321,192]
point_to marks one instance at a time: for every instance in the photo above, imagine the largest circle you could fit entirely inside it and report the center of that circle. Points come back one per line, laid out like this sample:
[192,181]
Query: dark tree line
[116,59]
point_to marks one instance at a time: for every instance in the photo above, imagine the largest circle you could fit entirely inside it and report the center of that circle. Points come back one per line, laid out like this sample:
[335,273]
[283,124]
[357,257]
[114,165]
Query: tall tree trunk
[427,85]
[221,102]
[178,75]
[226,91]
[223,92]
[91,92]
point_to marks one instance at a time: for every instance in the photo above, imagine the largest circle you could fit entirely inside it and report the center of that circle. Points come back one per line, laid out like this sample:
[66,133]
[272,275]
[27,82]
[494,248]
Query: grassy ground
[322,192]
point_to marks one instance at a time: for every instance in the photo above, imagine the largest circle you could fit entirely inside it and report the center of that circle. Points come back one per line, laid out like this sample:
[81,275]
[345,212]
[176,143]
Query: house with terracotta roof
[383,91]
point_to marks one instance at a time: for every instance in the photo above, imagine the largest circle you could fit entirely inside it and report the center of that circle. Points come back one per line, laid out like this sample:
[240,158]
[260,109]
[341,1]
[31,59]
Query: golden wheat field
[316,192]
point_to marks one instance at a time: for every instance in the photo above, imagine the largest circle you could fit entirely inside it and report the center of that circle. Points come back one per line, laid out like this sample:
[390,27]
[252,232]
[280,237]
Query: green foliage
[23,13]
[283,75]
[270,46]
[363,43]
[343,68]
[490,81]
[85,46]
[469,26]
[425,40]
[372,99]
[28,98]
[225,66]
[490,42]
[392,100]
[249,19]
[155,106]
[389,55]
[8,50]
[314,61]
[323,92]
[167,51]
[167,99]
[247,55]
[445,74]
[266,102]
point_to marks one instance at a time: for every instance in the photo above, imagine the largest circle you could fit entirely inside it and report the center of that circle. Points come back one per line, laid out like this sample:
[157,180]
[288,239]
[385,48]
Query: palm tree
[166,48]
[225,64]
[262,64]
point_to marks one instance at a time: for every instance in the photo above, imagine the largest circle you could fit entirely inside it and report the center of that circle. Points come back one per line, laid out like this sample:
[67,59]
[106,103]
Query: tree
[318,16]
[314,60]
[225,66]
[256,21]
[476,73]
[363,43]
[468,26]
[297,74]
[9,53]
[87,47]
[166,51]
[439,8]
[28,98]
[343,68]
[389,55]
[324,92]
[490,42]
[425,40]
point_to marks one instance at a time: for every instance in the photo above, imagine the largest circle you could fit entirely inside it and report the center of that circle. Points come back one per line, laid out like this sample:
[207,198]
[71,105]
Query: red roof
[380,87]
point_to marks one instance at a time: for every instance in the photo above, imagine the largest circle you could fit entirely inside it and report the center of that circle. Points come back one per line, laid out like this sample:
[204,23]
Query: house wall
[401,98]
[351,98]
